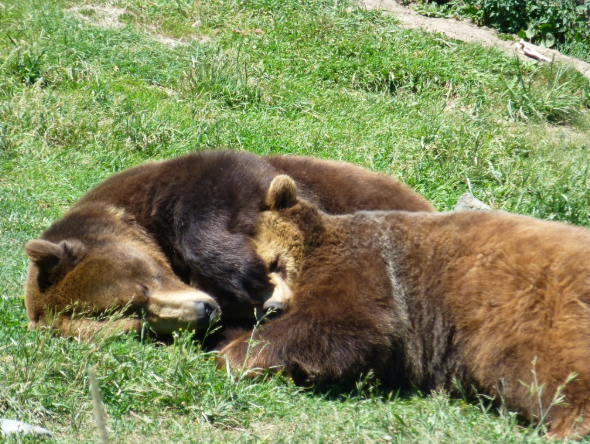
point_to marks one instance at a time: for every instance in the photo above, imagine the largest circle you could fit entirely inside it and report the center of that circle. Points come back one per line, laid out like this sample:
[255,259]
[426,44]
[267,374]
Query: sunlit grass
[79,102]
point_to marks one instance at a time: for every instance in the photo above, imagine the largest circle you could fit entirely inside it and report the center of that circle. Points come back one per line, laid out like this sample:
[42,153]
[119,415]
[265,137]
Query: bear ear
[281,194]
[41,251]
[53,259]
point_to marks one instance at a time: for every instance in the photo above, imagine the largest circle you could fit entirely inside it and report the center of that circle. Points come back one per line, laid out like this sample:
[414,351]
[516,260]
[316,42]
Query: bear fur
[171,239]
[497,302]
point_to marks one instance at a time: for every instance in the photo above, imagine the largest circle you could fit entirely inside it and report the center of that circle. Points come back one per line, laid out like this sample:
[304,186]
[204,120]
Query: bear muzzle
[169,311]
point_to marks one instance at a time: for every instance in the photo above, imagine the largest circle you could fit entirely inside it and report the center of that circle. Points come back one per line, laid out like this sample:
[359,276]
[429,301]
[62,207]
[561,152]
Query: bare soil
[101,16]
[109,17]
[468,32]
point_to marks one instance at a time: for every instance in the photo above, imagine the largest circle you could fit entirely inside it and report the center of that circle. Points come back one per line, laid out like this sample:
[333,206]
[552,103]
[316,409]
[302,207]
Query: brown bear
[171,239]
[497,302]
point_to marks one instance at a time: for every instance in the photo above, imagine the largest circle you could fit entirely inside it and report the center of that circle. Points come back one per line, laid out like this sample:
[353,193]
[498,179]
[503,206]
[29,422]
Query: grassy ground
[81,99]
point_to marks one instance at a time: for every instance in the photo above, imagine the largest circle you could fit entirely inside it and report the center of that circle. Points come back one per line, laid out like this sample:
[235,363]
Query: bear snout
[206,312]
[185,309]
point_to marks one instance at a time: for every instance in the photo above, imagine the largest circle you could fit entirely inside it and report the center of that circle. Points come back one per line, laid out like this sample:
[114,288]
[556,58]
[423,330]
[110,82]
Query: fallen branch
[528,51]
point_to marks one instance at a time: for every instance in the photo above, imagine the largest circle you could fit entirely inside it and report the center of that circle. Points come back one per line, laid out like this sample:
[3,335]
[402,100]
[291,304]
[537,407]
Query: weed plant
[562,24]
[80,101]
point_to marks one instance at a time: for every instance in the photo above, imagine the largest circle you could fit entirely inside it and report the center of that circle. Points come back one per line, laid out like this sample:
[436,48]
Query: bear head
[286,230]
[108,264]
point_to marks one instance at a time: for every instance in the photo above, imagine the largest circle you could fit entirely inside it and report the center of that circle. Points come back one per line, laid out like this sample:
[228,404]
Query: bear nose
[205,312]
[272,310]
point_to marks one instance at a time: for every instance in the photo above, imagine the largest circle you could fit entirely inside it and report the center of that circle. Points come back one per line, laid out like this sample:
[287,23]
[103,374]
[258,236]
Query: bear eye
[274,265]
[145,290]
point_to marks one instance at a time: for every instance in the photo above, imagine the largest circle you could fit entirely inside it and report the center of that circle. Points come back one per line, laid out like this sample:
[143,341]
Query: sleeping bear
[496,302]
[170,241]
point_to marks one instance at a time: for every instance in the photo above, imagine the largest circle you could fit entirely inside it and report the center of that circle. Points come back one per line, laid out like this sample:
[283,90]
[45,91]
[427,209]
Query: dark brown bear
[498,302]
[149,237]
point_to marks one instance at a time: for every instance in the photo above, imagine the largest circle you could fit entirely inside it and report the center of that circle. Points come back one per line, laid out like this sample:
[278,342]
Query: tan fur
[125,270]
[87,329]
[281,192]
[282,257]
[498,302]
[281,294]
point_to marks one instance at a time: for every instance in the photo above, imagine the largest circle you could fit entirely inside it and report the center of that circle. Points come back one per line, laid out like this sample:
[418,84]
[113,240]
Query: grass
[79,102]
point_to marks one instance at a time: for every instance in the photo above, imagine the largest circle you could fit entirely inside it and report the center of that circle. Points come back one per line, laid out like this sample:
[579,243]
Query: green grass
[80,102]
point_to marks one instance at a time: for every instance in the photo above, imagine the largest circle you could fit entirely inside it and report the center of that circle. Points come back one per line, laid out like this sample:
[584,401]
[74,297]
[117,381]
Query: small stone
[468,202]
[10,427]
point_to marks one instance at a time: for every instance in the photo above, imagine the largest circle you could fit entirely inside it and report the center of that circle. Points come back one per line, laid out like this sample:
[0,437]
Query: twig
[97,407]
[530,52]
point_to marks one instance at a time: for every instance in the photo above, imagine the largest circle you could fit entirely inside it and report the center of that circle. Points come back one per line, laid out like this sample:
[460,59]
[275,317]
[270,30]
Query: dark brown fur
[489,299]
[190,219]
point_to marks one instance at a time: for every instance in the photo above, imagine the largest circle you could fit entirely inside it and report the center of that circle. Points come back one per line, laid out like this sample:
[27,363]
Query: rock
[11,427]
[468,202]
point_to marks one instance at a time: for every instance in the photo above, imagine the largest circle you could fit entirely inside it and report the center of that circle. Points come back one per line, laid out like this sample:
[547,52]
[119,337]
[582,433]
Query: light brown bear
[170,240]
[497,302]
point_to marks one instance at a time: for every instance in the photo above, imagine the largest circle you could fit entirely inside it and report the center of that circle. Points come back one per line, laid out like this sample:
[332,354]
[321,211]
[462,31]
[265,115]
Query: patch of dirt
[566,136]
[168,40]
[101,16]
[180,42]
[203,39]
[468,32]
[108,17]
